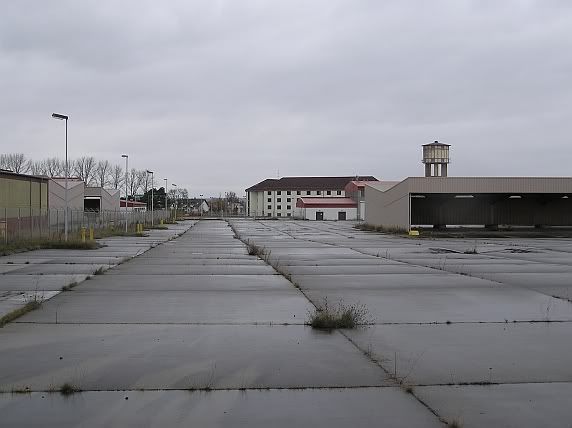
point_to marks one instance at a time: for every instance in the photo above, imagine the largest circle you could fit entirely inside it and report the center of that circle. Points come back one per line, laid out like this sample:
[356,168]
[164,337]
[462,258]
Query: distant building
[278,197]
[132,206]
[326,208]
[24,202]
[355,190]
[439,200]
[198,206]
[76,193]
[98,199]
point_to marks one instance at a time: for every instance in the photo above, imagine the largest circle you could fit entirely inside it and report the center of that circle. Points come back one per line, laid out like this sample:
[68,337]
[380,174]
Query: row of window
[279,215]
[308,192]
[280,199]
[279,207]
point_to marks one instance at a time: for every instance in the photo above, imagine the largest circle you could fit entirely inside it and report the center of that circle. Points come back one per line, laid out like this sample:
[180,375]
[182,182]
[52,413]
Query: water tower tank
[436,159]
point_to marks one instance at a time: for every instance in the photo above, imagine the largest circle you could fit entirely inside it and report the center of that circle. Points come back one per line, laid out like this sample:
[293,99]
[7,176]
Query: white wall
[76,193]
[329,213]
[259,201]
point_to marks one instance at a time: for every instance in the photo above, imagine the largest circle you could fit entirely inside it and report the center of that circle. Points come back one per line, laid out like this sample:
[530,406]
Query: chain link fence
[25,224]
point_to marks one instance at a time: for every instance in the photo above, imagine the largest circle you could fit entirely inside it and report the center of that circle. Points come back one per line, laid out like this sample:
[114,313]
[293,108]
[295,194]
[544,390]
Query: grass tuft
[32,305]
[39,244]
[381,229]
[99,271]
[68,389]
[326,317]
[69,286]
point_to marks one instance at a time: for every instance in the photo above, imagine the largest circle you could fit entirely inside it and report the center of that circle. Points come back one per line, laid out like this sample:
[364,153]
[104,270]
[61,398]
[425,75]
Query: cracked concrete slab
[333,408]
[527,405]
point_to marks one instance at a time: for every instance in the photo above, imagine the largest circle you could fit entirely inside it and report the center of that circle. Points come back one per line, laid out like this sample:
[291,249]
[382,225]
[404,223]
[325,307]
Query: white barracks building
[316,197]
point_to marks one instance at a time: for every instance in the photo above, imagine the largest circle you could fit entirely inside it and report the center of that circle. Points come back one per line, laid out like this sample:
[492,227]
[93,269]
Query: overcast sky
[218,95]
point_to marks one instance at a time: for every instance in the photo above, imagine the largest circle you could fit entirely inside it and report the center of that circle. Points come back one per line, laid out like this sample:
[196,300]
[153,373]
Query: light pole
[64,117]
[126,188]
[166,200]
[176,202]
[201,205]
[152,176]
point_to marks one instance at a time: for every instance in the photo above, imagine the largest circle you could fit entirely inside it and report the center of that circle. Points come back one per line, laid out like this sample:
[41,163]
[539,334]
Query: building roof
[12,174]
[472,185]
[325,203]
[436,143]
[307,183]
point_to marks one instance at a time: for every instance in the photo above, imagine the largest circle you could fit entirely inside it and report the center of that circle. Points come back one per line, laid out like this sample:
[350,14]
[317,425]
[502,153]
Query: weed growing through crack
[99,271]
[327,317]
[455,423]
[68,389]
[69,286]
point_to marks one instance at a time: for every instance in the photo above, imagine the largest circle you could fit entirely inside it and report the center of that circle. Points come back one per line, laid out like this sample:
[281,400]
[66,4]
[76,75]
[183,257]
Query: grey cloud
[221,94]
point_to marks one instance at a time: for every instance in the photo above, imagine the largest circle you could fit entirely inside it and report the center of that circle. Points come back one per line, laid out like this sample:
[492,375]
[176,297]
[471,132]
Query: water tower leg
[443,170]
[427,170]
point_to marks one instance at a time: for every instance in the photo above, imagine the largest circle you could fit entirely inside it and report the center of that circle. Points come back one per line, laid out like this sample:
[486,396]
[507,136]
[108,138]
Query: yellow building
[23,202]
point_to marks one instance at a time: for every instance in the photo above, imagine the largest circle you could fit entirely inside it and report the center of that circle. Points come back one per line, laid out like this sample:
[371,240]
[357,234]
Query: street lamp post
[64,117]
[126,188]
[201,204]
[166,200]
[152,176]
[176,202]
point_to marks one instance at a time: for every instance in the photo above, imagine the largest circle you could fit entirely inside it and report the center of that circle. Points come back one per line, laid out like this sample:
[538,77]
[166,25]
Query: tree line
[93,172]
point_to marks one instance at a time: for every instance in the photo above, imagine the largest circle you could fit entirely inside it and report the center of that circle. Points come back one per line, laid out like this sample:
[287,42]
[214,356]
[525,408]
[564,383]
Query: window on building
[279,214]
[318,192]
[269,199]
[289,215]
[288,199]
[269,215]
[288,207]
[269,192]
[298,192]
[279,192]
[361,193]
[339,192]
[329,192]
[278,199]
[269,207]
[279,207]
[288,192]
[308,192]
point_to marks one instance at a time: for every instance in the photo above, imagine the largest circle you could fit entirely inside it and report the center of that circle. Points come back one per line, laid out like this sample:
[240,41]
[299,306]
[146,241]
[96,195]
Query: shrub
[326,317]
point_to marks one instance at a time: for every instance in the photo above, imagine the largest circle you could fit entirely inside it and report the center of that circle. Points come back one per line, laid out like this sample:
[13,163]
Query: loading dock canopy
[519,201]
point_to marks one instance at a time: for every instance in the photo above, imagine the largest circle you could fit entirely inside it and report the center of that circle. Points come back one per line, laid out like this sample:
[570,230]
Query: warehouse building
[279,197]
[326,209]
[23,203]
[439,201]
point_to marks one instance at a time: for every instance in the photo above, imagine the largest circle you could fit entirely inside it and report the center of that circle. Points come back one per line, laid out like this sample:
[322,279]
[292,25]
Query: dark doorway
[319,215]
[341,215]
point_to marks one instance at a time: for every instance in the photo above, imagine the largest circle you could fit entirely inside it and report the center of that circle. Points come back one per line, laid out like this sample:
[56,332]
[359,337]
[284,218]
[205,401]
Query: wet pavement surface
[194,331]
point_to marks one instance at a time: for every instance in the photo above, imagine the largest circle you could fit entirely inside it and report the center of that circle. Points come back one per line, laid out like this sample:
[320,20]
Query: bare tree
[54,167]
[15,162]
[84,168]
[37,167]
[134,181]
[102,172]
[116,176]
[144,180]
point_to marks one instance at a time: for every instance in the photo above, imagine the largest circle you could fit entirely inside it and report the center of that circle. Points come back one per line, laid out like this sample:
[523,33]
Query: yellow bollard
[91,233]
[413,233]
[161,221]
[83,234]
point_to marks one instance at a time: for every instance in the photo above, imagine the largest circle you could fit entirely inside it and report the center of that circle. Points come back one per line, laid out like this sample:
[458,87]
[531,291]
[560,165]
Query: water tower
[436,159]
